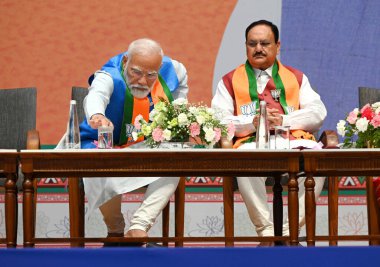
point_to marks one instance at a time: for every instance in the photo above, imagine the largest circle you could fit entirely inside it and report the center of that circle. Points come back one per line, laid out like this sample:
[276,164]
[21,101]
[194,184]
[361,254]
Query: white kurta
[100,189]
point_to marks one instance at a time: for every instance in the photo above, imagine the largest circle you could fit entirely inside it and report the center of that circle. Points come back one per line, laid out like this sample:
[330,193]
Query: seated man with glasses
[128,85]
[290,102]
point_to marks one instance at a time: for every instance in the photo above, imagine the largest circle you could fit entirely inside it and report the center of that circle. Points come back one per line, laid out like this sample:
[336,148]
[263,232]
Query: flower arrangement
[180,121]
[361,127]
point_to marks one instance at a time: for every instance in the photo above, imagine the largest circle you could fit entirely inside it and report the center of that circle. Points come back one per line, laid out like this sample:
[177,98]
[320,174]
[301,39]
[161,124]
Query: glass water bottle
[73,134]
[262,131]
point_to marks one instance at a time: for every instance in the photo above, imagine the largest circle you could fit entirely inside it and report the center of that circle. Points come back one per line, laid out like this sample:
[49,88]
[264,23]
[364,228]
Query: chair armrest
[329,139]
[33,140]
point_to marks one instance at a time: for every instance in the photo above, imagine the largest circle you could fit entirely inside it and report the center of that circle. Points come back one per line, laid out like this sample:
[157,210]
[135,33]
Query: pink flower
[352,117]
[195,129]
[218,134]
[158,135]
[375,121]
[137,123]
[367,112]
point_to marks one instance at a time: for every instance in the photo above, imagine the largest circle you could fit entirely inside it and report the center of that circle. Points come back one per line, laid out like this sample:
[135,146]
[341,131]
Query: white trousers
[254,194]
[156,197]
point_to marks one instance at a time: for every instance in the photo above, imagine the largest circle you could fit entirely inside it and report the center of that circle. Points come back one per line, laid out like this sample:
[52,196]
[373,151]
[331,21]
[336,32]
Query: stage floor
[190,257]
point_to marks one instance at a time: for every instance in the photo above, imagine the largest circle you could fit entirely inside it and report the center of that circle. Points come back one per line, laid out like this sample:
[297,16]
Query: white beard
[139,91]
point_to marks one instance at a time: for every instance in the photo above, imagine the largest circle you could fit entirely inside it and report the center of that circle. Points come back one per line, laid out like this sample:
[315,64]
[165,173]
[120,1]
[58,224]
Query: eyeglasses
[137,73]
[263,44]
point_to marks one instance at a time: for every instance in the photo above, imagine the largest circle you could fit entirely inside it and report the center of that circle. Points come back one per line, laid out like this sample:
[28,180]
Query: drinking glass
[105,137]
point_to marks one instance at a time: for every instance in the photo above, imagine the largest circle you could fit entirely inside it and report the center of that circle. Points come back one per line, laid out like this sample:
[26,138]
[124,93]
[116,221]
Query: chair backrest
[17,116]
[368,95]
[78,94]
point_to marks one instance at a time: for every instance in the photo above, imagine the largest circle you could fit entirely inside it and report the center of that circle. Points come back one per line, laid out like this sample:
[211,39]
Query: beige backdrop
[56,44]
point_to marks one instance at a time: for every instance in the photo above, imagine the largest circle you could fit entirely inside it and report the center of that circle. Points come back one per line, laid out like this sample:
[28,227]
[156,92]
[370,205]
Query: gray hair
[144,46]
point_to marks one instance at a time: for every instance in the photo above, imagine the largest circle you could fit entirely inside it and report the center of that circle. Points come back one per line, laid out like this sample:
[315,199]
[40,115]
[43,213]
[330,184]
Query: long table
[8,169]
[160,162]
[333,163]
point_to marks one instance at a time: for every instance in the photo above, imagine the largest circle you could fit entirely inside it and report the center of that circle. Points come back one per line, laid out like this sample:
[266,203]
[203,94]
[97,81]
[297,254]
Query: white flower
[167,134]
[341,127]
[182,119]
[210,111]
[376,105]
[377,111]
[180,101]
[135,136]
[209,134]
[200,119]
[356,111]
[152,114]
[362,124]
[193,110]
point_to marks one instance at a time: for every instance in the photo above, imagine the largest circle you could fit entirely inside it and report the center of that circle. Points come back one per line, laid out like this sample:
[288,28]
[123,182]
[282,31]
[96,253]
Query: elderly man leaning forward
[238,94]
[127,85]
